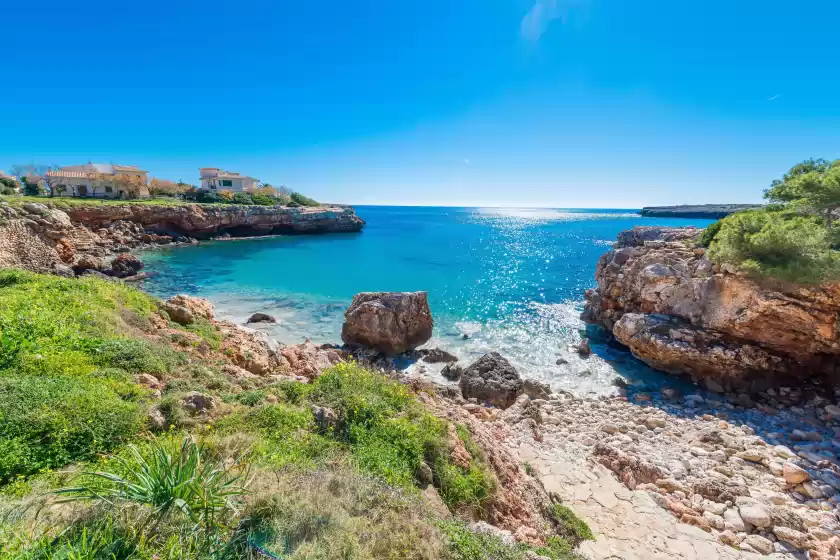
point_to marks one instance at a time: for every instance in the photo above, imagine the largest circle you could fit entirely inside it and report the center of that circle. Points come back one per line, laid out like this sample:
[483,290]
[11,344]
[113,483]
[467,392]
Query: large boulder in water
[388,322]
[493,380]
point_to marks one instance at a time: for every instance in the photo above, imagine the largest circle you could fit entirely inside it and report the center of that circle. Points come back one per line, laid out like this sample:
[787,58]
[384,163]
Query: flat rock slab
[628,525]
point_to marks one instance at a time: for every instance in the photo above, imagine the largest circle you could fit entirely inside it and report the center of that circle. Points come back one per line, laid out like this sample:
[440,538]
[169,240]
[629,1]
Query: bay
[505,280]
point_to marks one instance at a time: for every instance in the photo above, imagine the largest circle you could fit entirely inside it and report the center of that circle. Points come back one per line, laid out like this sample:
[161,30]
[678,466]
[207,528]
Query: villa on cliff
[215,179]
[99,180]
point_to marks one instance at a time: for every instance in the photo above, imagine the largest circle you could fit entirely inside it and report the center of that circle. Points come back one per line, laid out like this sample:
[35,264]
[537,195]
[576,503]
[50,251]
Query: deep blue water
[512,279]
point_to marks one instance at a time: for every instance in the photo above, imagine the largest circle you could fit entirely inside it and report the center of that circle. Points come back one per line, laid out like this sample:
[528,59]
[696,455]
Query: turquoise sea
[512,280]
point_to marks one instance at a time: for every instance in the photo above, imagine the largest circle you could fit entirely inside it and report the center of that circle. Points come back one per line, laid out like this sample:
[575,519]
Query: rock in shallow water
[388,322]
[260,317]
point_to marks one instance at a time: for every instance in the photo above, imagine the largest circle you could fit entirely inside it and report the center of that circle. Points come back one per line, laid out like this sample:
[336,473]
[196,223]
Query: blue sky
[561,103]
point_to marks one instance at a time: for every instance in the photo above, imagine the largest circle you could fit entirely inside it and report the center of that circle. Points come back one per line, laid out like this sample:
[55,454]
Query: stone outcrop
[492,380]
[388,322]
[203,221]
[662,297]
[57,238]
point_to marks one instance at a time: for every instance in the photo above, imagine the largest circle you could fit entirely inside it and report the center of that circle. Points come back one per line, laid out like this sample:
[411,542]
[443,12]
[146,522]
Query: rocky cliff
[202,221]
[660,296]
[55,237]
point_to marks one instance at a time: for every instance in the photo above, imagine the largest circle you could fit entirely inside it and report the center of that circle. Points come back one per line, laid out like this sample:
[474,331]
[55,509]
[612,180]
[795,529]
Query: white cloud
[538,19]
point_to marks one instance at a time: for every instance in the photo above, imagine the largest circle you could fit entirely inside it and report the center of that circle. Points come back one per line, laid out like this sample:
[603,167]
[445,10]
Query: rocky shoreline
[653,472]
[745,468]
[56,238]
[660,296]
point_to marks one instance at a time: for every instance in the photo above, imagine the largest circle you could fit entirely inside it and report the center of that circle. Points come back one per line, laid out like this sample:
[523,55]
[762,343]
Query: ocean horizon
[500,279]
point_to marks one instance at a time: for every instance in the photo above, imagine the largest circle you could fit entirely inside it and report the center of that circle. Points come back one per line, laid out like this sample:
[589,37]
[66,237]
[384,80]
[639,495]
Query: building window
[213,187]
[109,189]
[227,183]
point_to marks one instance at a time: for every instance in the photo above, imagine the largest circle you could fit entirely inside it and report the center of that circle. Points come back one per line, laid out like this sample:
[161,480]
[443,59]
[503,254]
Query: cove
[509,280]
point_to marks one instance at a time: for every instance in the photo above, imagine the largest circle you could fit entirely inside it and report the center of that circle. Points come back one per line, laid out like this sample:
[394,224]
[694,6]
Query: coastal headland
[72,236]
[704,211]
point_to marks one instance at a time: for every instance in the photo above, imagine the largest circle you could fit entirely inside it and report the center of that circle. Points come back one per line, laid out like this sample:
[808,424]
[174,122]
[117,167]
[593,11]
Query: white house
[100,180]
[214,179]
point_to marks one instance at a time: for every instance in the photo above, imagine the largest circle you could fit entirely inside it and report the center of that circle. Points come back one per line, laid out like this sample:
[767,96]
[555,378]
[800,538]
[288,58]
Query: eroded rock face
[52,238]
[493,380]
[205,221]
[388,322]
[678,312]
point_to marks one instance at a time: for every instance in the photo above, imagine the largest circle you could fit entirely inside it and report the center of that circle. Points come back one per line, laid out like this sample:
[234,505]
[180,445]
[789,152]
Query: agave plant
[168,481]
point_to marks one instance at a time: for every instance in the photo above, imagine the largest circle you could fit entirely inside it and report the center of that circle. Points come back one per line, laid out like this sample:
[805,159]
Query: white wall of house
[216,180]
[99,188]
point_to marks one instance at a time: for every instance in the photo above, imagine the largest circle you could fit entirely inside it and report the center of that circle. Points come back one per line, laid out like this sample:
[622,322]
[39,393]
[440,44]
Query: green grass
[68,351]
[68,201]
[465,544]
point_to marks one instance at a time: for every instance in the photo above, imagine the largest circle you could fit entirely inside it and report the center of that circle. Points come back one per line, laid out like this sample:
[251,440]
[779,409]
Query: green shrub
[47,422]
[569,526]
[390,434]
[242,198]
[250,398]
[264,200]
[465,544]
[136,356]
[170,481]
[302,200]
[777,245]
[7,191]
[286,435]
[709,233]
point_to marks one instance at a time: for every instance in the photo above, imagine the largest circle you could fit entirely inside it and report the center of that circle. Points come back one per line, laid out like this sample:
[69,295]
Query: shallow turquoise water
[511,279]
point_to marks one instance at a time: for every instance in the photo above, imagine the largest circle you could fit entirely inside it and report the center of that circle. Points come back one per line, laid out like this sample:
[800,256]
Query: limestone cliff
[203,221]
[660,296]
[55,237]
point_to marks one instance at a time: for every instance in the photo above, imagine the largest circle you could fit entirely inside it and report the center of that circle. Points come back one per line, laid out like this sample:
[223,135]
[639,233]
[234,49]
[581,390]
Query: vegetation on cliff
[795,238]
[106,453]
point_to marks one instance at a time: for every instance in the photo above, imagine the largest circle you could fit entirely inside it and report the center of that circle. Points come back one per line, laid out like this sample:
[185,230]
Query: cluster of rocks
[758,482]
[45,239]
[203,221]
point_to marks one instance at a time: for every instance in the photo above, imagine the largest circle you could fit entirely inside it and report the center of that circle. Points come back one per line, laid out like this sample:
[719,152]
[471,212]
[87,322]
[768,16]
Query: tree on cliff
[812,186]
[130,185]
[166,187]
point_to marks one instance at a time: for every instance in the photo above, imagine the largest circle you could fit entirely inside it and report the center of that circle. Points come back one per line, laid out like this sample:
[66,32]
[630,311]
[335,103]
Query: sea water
[505,280]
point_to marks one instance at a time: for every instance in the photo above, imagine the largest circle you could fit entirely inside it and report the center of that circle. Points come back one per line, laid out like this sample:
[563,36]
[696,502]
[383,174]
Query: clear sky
[560,103]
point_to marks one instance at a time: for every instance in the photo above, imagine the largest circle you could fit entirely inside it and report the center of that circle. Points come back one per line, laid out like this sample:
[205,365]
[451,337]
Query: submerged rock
[436,355]
[388,322]
[452,372]
[493,380]
[261,318]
